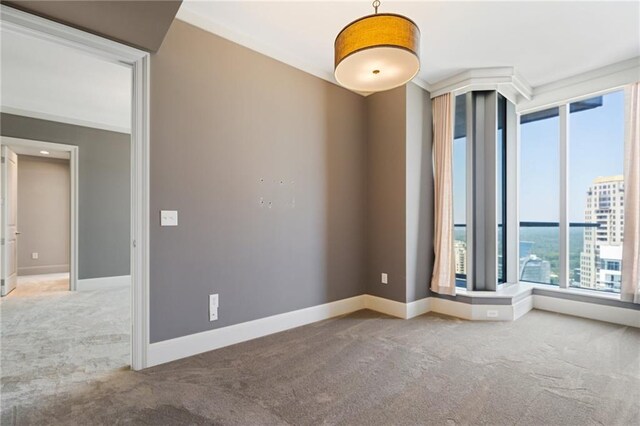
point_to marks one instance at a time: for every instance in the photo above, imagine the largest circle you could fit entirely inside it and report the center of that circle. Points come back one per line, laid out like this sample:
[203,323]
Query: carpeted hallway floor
[53,340]
[370,369]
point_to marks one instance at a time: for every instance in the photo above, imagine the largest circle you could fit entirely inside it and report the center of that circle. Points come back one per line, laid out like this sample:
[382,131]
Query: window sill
[506,291]
[576,291]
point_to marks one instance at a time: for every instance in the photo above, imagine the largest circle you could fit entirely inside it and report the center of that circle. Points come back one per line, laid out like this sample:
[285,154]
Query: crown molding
[245,40]
[585,85]
[66,119]
[207,24]
[423,84]
[505,80]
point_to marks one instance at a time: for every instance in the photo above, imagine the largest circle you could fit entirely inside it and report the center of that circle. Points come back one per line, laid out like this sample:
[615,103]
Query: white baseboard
[42,270]
[482,312]
[193,344]
[90,284]
[385,306]
[182,347]
[419,307]
[522,307]
[613,314]
[477,312]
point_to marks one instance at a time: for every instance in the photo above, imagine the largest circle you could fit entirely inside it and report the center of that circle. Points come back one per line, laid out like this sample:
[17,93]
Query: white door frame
[73,219]
[24,23]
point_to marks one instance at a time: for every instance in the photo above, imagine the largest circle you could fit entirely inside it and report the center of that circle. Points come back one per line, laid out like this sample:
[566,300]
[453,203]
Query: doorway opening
[39,183]
[43,125]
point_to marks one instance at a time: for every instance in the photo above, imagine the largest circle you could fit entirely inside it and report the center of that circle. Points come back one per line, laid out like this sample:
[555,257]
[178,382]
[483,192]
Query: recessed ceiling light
[44,152]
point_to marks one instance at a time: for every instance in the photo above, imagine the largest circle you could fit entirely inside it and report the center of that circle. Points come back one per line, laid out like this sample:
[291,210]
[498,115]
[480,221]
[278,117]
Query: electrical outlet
[384,279]
[168,218]
[213,307]
[492,314]
[34,255]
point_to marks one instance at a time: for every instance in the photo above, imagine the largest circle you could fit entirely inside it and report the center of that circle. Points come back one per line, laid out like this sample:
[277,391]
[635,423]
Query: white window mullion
[512,226]
[564,196]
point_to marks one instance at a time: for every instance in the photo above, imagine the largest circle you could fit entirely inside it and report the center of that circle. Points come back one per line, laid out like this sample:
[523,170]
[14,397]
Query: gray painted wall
[43,215]
[267,167]
[386,193]
[104,190]
[400,193]
[419,187]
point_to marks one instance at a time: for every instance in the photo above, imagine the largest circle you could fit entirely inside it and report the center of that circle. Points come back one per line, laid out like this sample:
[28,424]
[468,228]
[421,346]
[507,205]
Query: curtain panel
[630,288]
[443,279]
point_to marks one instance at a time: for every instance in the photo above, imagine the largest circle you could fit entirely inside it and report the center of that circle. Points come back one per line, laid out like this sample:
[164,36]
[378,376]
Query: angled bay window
[485,123]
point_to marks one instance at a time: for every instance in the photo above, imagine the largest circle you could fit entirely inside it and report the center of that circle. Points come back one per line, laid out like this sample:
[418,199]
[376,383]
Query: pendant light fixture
[377,52]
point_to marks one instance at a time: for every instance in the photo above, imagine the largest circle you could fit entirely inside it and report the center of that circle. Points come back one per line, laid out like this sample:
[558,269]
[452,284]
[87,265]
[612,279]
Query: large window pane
[460,190]
[596,191]
[539,197]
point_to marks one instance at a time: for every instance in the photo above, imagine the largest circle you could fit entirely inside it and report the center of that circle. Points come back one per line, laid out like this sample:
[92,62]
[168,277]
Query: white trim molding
[182,347]
[207,24]
[473,312]
[138,60]
[506,80]
[103,283]
[193,344]
[250,42]
[7,109]
[622,316]
[397,309]
[581,86]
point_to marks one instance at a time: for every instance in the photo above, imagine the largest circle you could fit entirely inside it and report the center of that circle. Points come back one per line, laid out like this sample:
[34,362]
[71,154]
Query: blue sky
[596,148]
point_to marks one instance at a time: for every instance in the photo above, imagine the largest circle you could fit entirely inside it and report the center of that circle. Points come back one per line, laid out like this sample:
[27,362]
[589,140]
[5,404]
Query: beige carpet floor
[370,369]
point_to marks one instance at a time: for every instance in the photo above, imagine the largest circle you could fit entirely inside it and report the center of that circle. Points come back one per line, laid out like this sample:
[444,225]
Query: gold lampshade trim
[379,30]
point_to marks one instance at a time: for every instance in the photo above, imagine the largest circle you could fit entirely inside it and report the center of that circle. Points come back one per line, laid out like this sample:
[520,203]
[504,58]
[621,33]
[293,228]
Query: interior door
[9,220]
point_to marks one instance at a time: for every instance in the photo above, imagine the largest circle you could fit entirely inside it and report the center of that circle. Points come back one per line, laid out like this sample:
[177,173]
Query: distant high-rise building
[460,249]
[534,269]
[605,206]
[610,273]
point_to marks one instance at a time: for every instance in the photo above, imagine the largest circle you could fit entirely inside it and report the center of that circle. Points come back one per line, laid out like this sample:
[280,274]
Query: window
[460,190]
[596,191]
[501,190]
[539,197]
[595,194]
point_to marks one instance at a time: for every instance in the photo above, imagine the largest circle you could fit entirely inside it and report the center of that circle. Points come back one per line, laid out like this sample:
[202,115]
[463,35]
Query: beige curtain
[630,291]
[444,278]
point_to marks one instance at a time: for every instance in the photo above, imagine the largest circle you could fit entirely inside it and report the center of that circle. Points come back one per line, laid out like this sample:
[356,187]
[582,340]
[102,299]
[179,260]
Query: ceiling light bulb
[44,152]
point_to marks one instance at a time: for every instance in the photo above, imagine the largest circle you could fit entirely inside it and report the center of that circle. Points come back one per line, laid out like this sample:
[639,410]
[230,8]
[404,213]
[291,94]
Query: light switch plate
[213,307]
[168,218]
[384,278]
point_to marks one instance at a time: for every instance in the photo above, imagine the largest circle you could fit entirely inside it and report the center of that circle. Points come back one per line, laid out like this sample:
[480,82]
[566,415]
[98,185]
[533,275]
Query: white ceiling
[36,152]
[44,80]
[544,41]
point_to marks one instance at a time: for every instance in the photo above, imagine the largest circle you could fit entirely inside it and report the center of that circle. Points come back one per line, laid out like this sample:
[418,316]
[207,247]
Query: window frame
[564,223]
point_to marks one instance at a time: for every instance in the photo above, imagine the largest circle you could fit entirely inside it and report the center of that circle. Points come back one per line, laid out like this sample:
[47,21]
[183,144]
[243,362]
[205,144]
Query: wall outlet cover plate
[168,218]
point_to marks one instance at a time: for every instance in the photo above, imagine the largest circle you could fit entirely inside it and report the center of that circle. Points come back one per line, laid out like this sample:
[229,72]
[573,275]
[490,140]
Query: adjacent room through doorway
[66,186]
